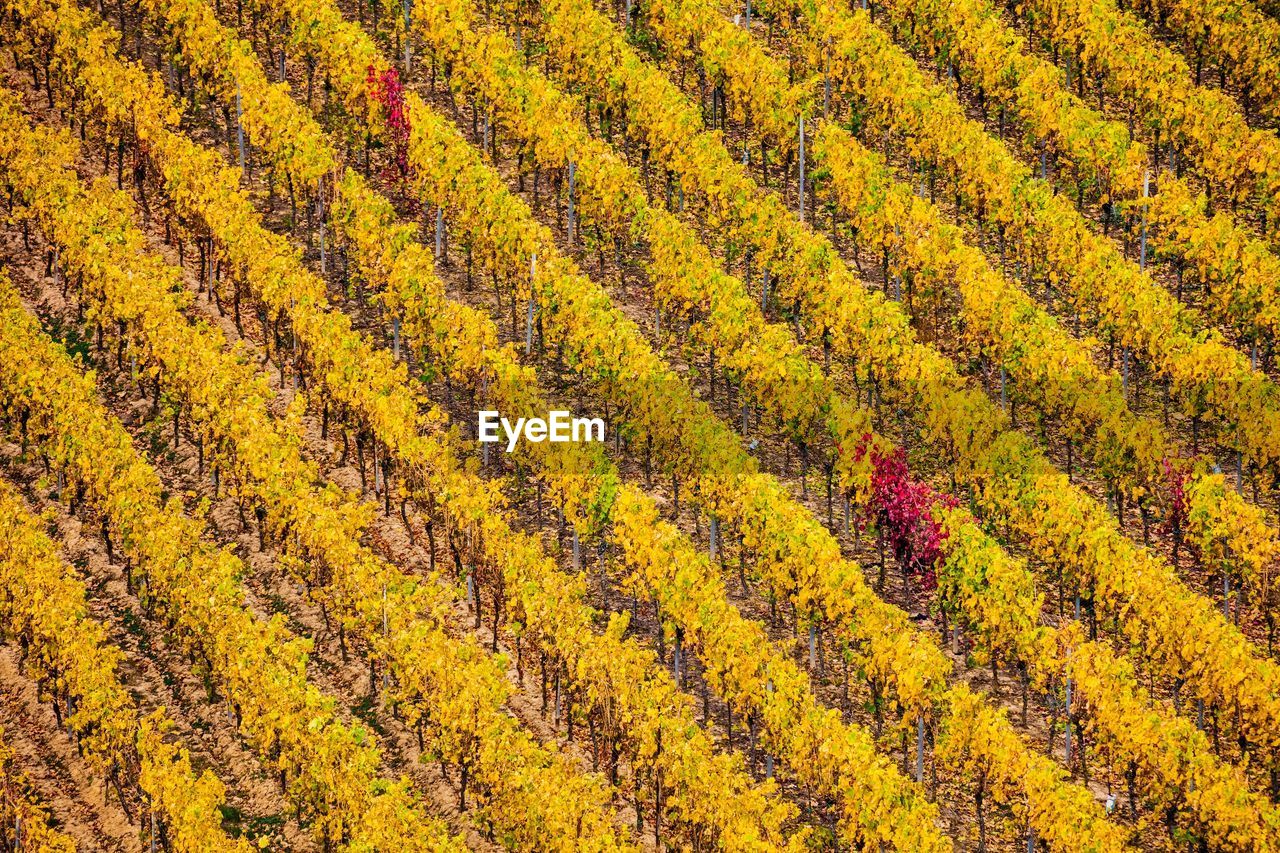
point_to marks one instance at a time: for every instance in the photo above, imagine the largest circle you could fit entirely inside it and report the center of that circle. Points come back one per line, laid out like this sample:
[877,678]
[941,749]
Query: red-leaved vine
[388,91]
[904,512]
[1176,477]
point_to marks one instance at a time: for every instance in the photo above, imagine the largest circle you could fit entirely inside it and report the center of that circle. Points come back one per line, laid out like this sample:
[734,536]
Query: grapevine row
[533,795]
[328,767]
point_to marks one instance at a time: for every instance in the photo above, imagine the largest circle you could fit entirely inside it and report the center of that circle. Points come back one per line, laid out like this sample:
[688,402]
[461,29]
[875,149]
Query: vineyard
[936,353]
